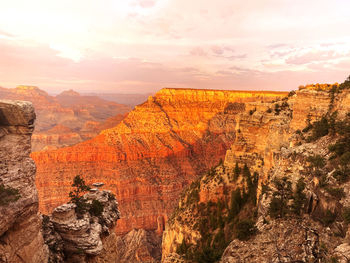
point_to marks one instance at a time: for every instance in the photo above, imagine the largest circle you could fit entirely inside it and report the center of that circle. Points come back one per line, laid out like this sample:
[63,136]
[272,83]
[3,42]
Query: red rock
[149,157]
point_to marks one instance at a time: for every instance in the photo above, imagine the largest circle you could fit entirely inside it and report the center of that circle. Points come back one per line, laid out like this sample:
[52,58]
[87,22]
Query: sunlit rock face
[67,118]
[146,160]
[20,224]
[266,140]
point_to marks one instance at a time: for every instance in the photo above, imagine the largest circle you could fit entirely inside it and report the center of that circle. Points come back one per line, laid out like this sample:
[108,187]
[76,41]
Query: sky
[141,46]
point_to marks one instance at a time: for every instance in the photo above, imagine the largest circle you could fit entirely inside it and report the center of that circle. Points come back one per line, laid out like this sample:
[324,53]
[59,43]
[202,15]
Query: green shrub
[275,207]
[291,93]
[96,208]
[345,84]
[328,218]
[341,176]
[251,112]
[316,161]
[299,198]
[8,195]
[182,248]
[307,128]
[345,159]
[245,229]
[336,192]
[277,109]
[77,195]
[346,214]
[320,129]
[279,203]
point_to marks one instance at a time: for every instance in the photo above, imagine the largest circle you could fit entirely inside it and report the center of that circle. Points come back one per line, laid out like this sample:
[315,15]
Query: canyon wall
[146,160]
[20,224]
[272,141]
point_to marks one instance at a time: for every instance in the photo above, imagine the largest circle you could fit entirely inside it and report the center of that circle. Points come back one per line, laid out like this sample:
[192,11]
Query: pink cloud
[198,51]
[313,56]
[147,3]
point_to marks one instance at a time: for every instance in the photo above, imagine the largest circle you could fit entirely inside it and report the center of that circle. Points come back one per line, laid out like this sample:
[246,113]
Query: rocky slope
[146,160]
[84,237]
[299,153]
[20,225]
[69,110]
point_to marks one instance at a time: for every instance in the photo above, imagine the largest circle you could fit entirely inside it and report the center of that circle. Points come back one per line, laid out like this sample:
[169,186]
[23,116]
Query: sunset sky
[140,46]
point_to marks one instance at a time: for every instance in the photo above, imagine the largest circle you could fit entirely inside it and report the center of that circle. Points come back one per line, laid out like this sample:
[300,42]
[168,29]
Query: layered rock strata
[147,159]
[65,119]
[139,246]
[20,224]
[271,142]
[87,237]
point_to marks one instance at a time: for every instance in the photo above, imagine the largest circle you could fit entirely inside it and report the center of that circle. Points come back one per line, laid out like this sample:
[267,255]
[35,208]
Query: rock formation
[87,237]
[147,159]
[69,110]
[139,246]
[295,149]
[20,223]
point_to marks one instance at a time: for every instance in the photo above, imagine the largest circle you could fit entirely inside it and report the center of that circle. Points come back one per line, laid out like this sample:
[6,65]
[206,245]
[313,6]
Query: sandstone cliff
[20,224]
[147,159]
[298,147]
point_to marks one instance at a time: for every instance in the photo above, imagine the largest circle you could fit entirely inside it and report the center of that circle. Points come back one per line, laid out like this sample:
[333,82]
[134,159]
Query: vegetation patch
[280,205]
[8,195]
[77,195]
[218,222]
[96,208]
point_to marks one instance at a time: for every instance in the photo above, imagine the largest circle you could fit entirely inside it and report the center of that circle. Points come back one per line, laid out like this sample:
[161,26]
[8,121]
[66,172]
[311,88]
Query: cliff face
[68,109]
[20,224]
[151,155]
[271,143]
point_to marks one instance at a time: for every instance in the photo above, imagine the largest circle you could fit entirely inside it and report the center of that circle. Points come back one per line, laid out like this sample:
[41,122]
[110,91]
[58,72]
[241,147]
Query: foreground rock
[88,237]
[20,223]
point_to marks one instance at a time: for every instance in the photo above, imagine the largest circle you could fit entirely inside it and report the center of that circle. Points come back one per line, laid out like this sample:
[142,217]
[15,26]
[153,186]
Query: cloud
[198,43]
[279,45]
[147,3]
[313,56]
[4,34]
[198,52]
[217,50]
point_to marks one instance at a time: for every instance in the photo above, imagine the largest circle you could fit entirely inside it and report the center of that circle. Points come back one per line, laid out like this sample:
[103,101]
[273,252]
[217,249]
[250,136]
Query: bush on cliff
[245,229]
[279,203]
[77,195]
[8,195]
[220,221]
[96,208]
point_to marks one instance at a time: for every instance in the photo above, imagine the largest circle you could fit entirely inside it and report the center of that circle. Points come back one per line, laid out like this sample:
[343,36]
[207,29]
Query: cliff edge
[20,225]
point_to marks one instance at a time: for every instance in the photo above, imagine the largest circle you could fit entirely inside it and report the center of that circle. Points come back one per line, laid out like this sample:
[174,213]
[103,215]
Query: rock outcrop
[159,148]
[68,109]
[139,246]
[292,145]
[87,237]
[20,224]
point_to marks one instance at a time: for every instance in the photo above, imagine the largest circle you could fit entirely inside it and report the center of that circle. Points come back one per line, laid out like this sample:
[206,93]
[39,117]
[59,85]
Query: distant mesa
[69,93]
[67,118]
